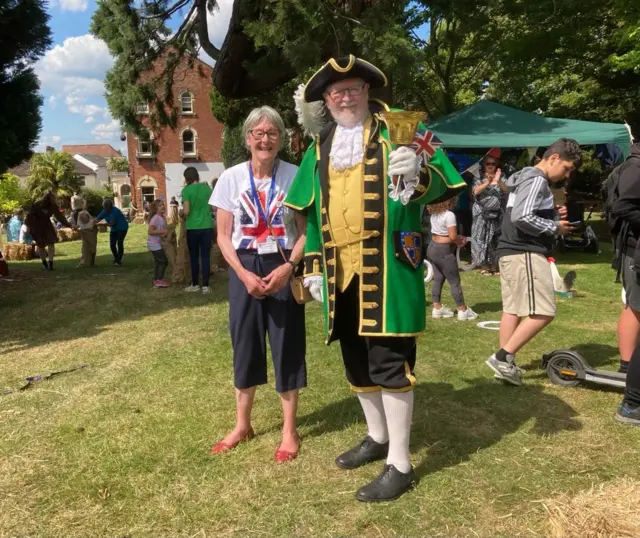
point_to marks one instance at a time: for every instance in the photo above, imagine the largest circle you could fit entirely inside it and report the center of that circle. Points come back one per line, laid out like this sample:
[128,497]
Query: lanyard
[272,193]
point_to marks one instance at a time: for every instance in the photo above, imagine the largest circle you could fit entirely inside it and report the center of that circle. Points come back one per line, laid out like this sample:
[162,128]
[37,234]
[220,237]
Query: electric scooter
[567,368]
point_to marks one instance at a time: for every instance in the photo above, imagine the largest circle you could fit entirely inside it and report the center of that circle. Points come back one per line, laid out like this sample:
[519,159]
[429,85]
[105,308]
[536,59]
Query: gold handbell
[402,125]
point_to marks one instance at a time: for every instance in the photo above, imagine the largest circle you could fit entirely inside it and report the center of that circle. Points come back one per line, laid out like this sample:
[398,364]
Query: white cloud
[82,56]
[106,131]
[55,139]
[53,101]
[70,5]
[90,119]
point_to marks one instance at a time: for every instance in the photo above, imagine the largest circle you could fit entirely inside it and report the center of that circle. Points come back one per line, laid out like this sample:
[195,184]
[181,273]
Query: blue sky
[72,72]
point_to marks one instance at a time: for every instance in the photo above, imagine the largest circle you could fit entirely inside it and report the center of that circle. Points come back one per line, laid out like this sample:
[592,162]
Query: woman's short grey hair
[107,204]
[257,115]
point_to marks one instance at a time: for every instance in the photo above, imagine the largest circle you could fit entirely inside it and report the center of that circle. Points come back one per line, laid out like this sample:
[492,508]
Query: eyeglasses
[259,135]
[491,163]
[354,91]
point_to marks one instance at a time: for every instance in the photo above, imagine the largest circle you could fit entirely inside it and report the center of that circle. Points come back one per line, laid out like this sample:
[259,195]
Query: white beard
[347,147]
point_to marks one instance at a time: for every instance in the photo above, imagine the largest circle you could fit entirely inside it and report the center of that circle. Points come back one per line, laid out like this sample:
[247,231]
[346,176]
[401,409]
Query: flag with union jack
[254,227]
[425,144]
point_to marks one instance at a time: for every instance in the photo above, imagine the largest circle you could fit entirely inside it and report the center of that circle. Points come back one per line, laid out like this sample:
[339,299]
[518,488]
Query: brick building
[157,161]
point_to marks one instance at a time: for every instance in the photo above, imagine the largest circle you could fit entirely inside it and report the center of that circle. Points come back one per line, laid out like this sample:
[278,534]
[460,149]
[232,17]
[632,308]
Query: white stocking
[371,403]
[398,408]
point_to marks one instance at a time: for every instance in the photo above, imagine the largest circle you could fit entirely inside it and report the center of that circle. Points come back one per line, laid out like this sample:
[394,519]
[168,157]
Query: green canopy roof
[487,125]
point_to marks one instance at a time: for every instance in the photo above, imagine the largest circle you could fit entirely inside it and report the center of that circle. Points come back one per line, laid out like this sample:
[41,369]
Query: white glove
[404,162]
[315,285]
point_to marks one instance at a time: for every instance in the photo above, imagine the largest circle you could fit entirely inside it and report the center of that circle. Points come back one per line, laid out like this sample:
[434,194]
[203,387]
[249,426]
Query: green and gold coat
[392,296]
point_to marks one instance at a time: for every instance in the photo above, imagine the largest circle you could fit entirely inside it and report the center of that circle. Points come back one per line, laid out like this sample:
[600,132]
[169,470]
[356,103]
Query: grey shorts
[630,283]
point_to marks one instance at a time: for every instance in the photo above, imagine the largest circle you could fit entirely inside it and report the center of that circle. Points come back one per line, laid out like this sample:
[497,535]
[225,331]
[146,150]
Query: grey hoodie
[529,224]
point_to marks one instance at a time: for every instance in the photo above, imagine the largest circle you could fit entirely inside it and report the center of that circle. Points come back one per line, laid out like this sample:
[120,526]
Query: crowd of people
[348,224]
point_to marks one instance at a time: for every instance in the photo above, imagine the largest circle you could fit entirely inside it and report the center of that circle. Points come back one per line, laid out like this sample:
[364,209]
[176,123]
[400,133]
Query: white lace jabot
[347,147]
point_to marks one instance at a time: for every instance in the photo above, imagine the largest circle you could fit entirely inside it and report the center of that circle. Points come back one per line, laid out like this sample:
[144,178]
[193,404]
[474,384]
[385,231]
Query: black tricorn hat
[341,69]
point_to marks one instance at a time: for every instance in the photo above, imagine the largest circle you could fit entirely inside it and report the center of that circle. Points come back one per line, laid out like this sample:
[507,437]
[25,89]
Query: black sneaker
[388,486]
[365,452]
[45,263]
[628,415]
[50,266]
[624,367]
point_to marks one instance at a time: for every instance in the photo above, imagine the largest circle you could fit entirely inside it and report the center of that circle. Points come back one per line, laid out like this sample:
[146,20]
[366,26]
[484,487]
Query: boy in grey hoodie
[529,227]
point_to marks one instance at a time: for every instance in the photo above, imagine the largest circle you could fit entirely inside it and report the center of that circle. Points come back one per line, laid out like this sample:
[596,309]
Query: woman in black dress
[39,223]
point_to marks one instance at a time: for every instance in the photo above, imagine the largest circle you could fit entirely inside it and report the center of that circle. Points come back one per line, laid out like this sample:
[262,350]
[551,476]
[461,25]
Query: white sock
[371,403]
[398,408]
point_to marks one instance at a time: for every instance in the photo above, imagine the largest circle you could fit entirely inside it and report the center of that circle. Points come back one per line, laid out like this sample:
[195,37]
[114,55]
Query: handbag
[490,214]
[300,293]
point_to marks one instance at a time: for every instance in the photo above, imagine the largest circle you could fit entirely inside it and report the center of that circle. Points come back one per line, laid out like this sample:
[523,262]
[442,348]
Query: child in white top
[157,230]
[442,255]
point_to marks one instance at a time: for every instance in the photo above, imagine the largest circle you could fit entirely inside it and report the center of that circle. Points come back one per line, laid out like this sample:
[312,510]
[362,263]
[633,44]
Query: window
[142,108]
[125,190]
[186,102]
[188,142]
[148,194]
[145,144]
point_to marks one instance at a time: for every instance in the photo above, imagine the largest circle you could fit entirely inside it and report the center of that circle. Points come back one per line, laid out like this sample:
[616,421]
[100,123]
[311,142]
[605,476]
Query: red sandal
[284,456]
[221,447]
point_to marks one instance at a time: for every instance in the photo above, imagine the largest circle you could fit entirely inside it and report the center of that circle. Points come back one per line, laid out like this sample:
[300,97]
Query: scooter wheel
[564,370]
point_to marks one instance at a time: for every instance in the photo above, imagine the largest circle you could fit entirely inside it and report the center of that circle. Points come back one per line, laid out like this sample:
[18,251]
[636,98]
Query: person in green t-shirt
[195,203]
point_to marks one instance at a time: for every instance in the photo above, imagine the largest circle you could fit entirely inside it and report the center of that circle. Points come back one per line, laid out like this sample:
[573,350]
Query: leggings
[199,245]
[445,267]
[116,241]
[161,262]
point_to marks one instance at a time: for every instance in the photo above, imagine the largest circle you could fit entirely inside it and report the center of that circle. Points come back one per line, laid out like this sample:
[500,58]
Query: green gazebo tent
[486,124]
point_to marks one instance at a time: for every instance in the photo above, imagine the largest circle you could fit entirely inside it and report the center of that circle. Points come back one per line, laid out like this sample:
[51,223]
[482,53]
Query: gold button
[345,193]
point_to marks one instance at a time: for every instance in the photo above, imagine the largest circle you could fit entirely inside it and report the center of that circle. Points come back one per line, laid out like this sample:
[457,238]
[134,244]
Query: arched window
[186,102]
[125,190]
[188,142]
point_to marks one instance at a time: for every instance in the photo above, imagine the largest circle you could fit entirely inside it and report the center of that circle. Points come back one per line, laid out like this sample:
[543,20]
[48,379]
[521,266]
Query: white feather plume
[311,116]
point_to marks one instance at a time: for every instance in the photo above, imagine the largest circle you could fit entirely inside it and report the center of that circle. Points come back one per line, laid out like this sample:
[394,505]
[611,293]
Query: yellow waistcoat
[346,217]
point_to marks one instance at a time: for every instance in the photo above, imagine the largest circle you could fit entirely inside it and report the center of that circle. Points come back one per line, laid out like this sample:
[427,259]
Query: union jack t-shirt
[233,193]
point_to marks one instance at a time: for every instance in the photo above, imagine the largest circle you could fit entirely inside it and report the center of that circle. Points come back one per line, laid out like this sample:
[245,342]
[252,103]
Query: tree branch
[203,30]
[167,13]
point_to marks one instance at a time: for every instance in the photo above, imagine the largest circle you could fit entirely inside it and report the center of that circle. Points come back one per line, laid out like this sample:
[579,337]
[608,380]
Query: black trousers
[371,362]
[199,245]
[116,242]
[251,320]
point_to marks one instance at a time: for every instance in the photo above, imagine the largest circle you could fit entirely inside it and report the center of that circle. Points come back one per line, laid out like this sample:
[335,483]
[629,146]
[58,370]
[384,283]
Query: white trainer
[468,314]
[205,289]
[442,312]
[192,289]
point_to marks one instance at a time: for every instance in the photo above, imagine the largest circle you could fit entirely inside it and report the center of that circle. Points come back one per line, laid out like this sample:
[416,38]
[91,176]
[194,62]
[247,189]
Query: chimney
[50,149]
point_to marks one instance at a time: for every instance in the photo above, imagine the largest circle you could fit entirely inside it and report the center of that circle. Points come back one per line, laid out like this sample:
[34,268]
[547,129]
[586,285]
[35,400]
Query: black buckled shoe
[366,452]
[388,486]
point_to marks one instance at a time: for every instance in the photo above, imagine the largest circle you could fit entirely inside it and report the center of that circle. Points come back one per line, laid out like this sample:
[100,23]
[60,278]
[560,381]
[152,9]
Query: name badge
[268,247]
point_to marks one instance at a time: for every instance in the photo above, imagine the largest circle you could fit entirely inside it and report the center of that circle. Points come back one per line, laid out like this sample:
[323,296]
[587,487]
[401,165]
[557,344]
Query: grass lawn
[121,448]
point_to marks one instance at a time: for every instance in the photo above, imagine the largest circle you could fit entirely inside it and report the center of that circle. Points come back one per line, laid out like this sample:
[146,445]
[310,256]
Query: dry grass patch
[603,511]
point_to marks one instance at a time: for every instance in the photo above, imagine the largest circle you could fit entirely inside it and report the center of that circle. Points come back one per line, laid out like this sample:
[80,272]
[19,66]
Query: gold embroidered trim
[332,280]
[371,196]
[372,215]
[372,178]
[373,146]
[370,251]
[371,161]
[369,323]
[369,287]
[370,270]
[331,262]
[370,306]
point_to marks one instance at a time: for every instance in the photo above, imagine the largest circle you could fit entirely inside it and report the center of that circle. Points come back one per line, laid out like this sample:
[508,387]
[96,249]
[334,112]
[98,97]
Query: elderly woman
[39,223]
[488,210]
[263,242]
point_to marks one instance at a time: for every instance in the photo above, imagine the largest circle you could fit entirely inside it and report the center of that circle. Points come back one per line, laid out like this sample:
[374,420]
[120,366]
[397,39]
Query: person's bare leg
[628,332]
[290,440]
[244,403]
[508,325]
[52,252]
[526,330]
